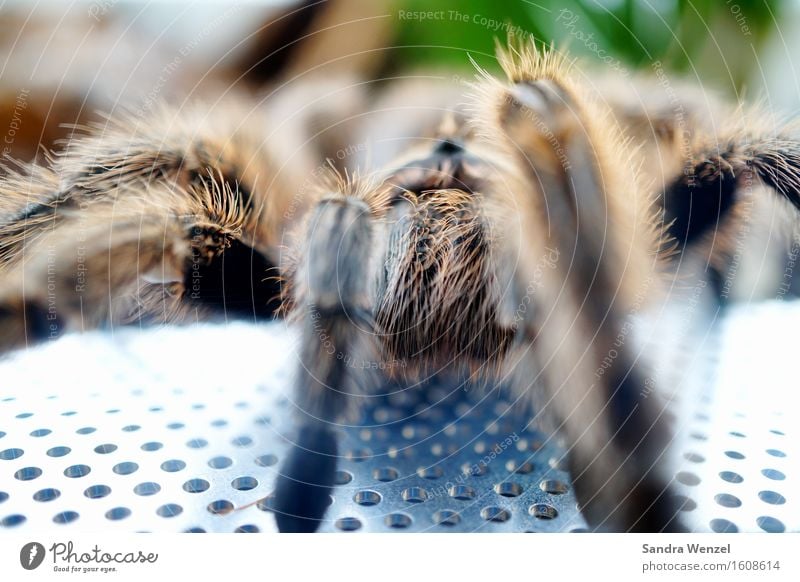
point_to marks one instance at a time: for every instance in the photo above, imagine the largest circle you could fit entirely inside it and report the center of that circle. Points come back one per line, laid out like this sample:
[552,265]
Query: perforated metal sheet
[184,430]
[740,458]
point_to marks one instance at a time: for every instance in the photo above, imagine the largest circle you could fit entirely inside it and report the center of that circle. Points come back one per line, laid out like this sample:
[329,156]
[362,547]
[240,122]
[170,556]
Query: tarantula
[433,260]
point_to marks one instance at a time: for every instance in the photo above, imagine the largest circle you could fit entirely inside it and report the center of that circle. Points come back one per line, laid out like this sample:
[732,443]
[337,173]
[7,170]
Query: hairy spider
[433,260]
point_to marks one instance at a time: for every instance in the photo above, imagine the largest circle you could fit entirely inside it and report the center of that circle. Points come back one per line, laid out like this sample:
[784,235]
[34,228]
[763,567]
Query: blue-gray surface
[150,431]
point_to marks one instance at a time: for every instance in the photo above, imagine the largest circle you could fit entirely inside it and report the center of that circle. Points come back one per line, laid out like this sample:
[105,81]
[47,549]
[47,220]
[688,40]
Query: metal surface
[740,460]
[184,430]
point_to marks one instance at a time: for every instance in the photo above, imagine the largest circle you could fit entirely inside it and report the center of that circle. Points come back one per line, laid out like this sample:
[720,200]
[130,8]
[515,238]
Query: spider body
[514,246]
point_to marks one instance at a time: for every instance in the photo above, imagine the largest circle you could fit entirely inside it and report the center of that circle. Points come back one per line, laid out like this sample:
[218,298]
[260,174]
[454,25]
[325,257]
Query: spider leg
[699,200]
[334,301]
[195,192]
[99,270]
[573,202]
[147,253]
[718,209]
[65,284]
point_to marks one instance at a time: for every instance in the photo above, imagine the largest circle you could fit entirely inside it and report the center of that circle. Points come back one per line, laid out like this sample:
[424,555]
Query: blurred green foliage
[715,40]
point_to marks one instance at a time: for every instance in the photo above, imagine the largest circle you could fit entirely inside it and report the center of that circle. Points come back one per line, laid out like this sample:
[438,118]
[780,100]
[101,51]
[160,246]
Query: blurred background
[62,62]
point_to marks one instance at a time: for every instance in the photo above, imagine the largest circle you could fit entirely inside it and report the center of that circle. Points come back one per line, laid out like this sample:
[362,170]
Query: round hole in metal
[196,486]
[118,513]
[475,469]
[367,498]
[46,495]
[28,473]
[348,524]
[553,487]
[397,521]
[496,514]
[508,489]
[461,492]
[520,468]
[688,478]
[147,488]
[770,524]
[267,503]
[169,510]
[220,507]
[430,472]
[125,468]
[385,474]
[415,495]
[446,517]
[244,483]
[65,517]
[97,491]
[173,466]
[12,520]
[727,500]
[266,460]
[543,511]
[771,497]
[220,462]
[343,477]
[58,451]
[11,454]
[731,477]
[77,471]
[773,474]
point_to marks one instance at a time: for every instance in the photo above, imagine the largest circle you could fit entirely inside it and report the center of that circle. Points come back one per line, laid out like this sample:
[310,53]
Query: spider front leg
[333,296]
[709,208]
[700,199]
[573,200]
[89,273]
[145,254]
